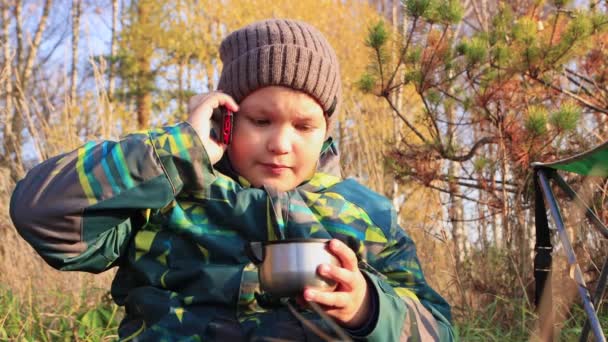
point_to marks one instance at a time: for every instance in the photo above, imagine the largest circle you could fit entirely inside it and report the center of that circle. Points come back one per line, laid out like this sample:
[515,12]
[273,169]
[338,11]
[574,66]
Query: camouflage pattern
[153,205]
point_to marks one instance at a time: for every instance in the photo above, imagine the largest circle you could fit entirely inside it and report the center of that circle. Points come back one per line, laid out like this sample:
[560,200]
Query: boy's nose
[279,141]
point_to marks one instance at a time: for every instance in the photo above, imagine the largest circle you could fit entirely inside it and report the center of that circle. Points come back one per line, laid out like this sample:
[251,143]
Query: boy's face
[277,138]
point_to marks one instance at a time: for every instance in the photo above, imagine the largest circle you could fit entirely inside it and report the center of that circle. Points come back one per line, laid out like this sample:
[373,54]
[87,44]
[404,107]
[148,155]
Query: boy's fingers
[347,257]
[213,100]
[195,101]
[225,100]
[329,299]
[339,274]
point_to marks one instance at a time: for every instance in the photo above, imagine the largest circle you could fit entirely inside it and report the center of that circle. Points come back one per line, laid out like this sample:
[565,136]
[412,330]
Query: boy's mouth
[275,168]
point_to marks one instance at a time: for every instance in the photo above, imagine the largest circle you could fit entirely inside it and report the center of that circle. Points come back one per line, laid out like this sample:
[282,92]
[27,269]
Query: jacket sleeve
[78,209]
[408,308]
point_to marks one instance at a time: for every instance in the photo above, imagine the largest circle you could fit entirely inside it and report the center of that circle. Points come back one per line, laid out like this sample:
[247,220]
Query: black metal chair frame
[542,260]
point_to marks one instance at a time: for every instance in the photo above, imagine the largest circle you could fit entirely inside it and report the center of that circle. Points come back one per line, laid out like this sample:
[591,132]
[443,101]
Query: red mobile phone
[227,126]
[222,119]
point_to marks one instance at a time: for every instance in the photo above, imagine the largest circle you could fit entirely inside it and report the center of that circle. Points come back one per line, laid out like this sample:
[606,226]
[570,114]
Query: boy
[173,211]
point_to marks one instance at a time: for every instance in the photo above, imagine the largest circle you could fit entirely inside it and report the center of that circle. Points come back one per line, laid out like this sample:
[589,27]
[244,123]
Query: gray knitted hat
[280,52]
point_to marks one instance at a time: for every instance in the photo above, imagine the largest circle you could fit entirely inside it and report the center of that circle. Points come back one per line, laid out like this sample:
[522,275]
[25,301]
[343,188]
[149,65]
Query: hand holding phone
[211,117]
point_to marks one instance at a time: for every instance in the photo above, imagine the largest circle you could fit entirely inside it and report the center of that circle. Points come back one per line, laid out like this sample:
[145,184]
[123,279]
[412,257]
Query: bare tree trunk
[496,236]
[456,207]
[374,170]
[399,27]
[399,101]
[456,214]
[33,51]
[75,38]
[144,98]
[393,187]
[209,68]
[13,123]
[8,86]
[523,236]
[477,11]
[209,73]
[483,223]
[109,124]
[19,31]
[23,73]
[189,74]
[504,170]
[480,10]
[495,231]
[181,106]
[386,8]
[396,95]
[481,212]
[113,50]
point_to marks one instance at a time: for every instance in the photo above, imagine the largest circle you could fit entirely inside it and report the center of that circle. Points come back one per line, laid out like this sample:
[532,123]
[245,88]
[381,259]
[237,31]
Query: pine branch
[578,84]
[460,196]
[403,52]
[437,134]
[583,77]
[445,178]
[467,156]
[478,187]
[406,121]
[431,60]
[586,79]
[476,219]
[568,93]
[446,93]
[380,69]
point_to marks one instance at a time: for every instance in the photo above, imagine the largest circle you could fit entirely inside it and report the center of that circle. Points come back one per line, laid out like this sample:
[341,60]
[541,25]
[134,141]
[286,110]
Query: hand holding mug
[349,303]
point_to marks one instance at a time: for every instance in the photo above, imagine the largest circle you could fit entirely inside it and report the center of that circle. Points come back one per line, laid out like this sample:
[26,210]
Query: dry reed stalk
[24,110]
[105,112]
[19,264]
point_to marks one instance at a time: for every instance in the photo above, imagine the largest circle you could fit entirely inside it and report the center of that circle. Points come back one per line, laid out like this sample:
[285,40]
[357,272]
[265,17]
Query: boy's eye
[304,127]
[259,122]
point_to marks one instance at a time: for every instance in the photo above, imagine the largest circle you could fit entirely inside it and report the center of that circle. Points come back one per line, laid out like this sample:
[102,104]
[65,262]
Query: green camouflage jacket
[153,205]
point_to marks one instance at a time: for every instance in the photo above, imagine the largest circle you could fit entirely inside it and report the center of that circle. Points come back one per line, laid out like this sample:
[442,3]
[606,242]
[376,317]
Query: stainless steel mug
[285,267]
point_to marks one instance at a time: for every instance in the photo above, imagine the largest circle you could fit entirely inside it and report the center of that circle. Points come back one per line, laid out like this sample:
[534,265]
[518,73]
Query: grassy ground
[71,319]
[68,319]
[486,325]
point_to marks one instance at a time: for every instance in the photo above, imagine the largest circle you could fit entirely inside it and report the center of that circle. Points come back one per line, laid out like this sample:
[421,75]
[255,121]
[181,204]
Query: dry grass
[53,130]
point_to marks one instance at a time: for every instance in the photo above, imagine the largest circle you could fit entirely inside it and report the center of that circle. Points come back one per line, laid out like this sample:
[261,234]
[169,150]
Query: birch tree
[18,67]
[76,10]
